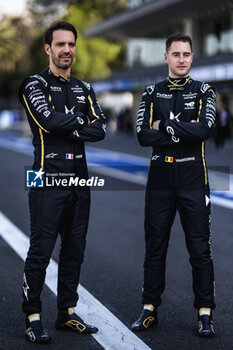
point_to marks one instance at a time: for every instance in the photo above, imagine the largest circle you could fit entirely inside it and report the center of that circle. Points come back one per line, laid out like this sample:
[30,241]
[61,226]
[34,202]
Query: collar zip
[60,78]
[177,81]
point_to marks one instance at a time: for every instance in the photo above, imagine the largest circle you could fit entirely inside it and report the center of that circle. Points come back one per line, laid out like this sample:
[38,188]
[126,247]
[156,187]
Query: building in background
[147,23]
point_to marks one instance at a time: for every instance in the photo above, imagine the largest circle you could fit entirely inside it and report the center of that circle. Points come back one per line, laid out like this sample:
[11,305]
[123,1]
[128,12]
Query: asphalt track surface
[112,271]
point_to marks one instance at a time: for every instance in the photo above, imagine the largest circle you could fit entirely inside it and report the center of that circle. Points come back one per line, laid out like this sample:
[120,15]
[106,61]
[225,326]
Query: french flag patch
[69,156]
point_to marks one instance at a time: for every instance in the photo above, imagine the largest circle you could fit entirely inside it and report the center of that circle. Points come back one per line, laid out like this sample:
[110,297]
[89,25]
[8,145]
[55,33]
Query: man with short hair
[175,117]
[63,113]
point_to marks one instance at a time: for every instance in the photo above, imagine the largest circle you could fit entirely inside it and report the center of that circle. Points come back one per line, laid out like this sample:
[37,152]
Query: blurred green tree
[95,58]
[10,49]
[15,38]
[106,8]
[22,52]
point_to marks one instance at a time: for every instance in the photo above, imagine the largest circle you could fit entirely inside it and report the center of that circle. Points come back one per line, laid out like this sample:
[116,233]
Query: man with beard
[63,113]
[175,117]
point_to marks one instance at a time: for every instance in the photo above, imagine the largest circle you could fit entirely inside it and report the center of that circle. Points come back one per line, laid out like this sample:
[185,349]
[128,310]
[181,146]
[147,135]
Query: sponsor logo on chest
[77,89]
[81,99]
[189,105]
[167,96]
[56,88]
[190,96]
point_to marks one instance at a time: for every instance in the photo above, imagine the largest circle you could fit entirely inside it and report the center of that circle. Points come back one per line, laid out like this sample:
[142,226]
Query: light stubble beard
[64,66]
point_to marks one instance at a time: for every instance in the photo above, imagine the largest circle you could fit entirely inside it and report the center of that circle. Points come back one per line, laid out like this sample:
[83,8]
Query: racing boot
[67,320]
[146,319]
[205,323]
[35,331]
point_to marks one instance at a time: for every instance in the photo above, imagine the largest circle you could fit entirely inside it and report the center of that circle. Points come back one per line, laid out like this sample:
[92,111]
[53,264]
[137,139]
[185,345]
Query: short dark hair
[178,37]
[48,35]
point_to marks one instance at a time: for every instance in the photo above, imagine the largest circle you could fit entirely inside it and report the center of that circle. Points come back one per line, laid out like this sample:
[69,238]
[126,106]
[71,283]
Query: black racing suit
[62,113]
[177,180]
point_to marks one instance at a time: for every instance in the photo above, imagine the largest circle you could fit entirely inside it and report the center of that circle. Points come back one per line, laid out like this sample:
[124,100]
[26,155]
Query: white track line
[222,202]
[113,334]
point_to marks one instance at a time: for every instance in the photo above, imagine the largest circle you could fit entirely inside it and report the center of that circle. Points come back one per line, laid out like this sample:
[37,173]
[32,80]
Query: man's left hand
[155,125]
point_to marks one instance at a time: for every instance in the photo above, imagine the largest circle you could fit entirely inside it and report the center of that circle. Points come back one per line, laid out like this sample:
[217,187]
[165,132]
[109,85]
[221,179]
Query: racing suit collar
[60,78]
[177,82]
